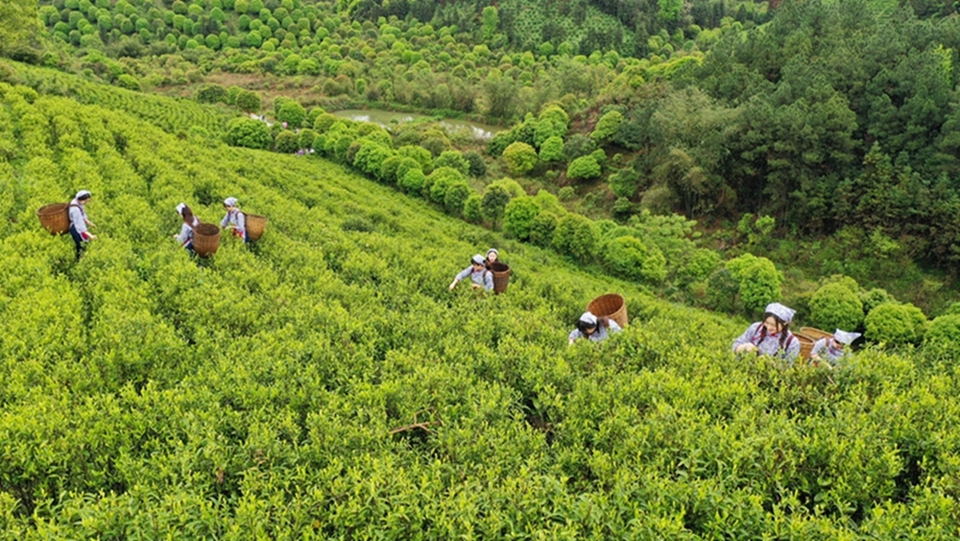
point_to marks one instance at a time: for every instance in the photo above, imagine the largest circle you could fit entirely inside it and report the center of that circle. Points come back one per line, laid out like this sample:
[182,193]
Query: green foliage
[494,203]
[212,93]
[519,216]
[628,257]
[758,281]
[286,142]
[576,236]
[895,324]
[606,127]
[552,149]
[249,102]
[942,339]
[873,298]
[584,168]
[477,166]
[439,181]
[456,197]
[513,188]
[454,159]
[836,306]
[520,158]
[471,208]
[412,181]
[543,227]
[128,81]
[292,113]
[249,133]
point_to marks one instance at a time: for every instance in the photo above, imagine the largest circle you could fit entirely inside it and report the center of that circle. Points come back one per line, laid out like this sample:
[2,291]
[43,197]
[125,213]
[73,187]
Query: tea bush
[324,383]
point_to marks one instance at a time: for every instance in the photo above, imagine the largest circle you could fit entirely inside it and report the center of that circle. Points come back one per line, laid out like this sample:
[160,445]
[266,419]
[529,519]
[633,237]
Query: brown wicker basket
[610,305]
[206,239]
[501,276]
[255,226]
[55,218]
[806,344]
[815,333]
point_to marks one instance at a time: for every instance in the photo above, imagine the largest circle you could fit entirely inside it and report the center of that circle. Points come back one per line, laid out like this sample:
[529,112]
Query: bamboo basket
[610,305]
[255,226]
[806,344]
[501,276]
[815,333]
[206,239]
[55,218]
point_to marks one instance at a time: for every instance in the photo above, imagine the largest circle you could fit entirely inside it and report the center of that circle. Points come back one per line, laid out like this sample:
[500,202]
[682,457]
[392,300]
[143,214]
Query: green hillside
[272,391]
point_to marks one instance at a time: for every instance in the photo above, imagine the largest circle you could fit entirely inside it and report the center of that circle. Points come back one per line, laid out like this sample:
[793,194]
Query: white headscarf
[845,337]
[781,311]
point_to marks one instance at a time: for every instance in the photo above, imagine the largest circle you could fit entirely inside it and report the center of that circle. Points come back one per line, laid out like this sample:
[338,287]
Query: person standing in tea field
[829,351]
[771,336]
[478,274]
[77,213]
[236,219]
[185,238]
[593,328]
[493,256]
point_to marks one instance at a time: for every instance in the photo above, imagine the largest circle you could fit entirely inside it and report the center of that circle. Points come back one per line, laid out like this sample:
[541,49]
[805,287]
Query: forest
[701,158]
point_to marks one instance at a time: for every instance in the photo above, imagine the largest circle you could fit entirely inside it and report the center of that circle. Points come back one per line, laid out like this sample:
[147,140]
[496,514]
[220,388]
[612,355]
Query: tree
[895,324]
[250,133]
[491,20]
[606,127]
[584,168]
[292,113]
[836,306]
[519,215]
[248,101]
[454,159]
[456,197]
[494,203]
[521,158]
[576,236]
[758,281]
[287,142]
[18,24]
[630,258]
[552,149]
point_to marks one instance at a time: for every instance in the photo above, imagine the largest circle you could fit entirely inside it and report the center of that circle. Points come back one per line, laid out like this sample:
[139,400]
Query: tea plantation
[323,383]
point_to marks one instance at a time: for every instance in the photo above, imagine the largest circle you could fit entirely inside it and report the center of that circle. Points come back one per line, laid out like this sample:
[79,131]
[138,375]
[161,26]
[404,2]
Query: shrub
[700,264]
[895,324]
[514,189]
[552,150]
[370,157]
[128,81]
[249,133]
[873,298]
[471,208]
[943,337]
[758,281]
[542,228]
[211,93]
[623,183]
[606,127]
[583,168]
[248,102]
[388,169]
[576,236]
[439,181]
[412,181]
[519,215]
[477,167]
[520,158]
[456,196]
[836,306]
[494,201]
[306,138]
[287,142]
[578,145]
[453,159]
[499,143]
[632,259]
[324,121]
[292,113]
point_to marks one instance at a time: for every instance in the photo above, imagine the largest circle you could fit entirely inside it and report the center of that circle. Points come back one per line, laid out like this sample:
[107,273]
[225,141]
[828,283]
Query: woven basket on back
[501,276]
[806,344]
[815,333]
[206,239]
[54,218]
[610,305]
[255,226]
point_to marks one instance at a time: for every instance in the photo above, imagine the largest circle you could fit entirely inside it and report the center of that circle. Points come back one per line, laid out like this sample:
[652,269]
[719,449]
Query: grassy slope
[253,395]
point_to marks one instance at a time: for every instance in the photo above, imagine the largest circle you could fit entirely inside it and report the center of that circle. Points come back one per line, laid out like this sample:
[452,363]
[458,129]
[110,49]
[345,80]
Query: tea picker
[830,351]
[593,328]
[77,214]
[771,336]
[235,219]
[185,238]
[478,274]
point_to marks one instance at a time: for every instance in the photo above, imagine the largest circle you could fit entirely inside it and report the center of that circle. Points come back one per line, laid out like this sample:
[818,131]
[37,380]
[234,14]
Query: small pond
[482,132]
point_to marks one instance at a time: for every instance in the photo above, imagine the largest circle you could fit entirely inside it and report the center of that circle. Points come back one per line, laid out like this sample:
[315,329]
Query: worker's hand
[476,286]
[745,347]
[92,237]
[453,285]
[91,224]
